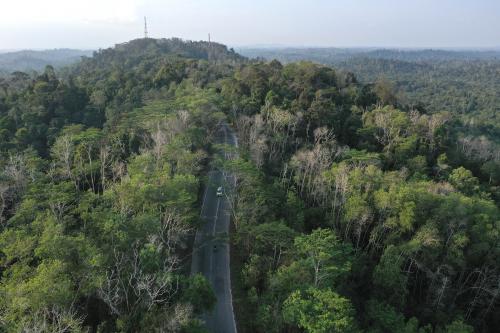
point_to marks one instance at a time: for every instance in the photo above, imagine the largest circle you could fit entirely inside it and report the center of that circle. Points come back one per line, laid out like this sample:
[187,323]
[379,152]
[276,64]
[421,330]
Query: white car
[219,191]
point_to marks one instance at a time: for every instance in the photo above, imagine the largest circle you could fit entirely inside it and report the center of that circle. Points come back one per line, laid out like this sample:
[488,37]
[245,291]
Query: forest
[356,209]
[335,55]
[464,82]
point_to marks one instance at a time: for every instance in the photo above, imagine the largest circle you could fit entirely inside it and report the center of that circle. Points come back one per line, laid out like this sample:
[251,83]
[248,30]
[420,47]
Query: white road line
[228,254]
[206,191]
[216,216]
[213,235]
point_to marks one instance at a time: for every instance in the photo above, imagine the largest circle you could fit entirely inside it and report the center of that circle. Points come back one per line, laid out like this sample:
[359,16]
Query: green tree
[319,311]
[389,281]
[326,255]
[457,326]
[199,293]
[464,181]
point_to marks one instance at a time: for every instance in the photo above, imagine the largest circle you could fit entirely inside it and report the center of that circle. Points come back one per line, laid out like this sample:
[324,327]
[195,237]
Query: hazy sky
[398,23]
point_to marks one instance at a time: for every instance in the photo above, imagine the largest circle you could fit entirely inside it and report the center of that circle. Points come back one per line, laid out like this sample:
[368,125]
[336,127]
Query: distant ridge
[333,56]
[30,60]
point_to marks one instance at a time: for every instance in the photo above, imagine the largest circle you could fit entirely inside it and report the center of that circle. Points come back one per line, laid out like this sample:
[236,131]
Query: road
[211,248]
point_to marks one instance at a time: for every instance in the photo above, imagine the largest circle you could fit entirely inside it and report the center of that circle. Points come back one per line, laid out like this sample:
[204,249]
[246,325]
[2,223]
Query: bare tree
[479,148]
[129,286]
[159,139]
[5,197]
[53,320]
[118,170]
[17,171]
[176,318]
[390,131]
[63,150]
[105,163]
[427,126]
[309,165]
[13,181]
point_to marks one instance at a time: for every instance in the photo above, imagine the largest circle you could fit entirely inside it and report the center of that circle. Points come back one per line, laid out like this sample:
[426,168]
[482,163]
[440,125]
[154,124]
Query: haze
[87,24]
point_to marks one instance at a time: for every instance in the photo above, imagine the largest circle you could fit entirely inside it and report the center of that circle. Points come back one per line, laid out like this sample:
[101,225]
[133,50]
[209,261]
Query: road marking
[216,216]
[213,235]
[207,216]
[230,287]
[206,191]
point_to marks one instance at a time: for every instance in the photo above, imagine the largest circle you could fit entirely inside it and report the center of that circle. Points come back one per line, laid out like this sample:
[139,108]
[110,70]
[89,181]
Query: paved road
[211,248]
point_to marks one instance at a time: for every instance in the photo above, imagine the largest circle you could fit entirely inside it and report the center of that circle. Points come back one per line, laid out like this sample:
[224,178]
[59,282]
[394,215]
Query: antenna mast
[209,52]
[145,28]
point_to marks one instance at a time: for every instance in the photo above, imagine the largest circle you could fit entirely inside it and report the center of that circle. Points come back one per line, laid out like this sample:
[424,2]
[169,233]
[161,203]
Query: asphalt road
[211,248]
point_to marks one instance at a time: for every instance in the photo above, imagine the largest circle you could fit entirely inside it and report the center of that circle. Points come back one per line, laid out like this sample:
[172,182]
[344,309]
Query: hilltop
[130,53]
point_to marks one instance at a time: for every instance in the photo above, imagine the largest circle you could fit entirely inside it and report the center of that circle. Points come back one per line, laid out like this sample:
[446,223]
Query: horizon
[284,47]
[95,24]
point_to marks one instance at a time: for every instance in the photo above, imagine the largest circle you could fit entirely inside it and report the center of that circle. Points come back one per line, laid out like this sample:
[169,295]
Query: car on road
[219,191]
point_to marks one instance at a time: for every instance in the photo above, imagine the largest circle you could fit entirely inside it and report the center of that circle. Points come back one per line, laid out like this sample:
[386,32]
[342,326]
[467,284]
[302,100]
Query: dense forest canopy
[355,210]
[465,83]
[331,56]
[457,81]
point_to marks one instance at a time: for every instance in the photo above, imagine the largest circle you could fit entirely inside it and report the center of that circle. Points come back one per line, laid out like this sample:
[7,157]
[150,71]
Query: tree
[492,171]
[319,311]
[464,181]
[457,326]
[388,126]
[389,281]
[384,89]
[383,318]
[199,294]
[326,255]
[271,239]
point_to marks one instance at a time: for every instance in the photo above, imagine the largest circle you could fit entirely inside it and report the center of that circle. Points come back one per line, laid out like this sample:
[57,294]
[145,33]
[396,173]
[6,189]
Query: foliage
[353,209]
[406,192]
[98,205]
[319,311]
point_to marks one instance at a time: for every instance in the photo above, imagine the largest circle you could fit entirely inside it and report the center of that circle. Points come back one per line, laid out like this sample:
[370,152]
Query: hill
[29,60]
[135,51]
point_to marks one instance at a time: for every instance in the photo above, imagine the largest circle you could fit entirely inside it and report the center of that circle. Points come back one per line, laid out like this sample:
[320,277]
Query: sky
[91,24]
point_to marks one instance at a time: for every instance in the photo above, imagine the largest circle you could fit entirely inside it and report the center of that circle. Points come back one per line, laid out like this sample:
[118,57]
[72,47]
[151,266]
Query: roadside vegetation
[353,211]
